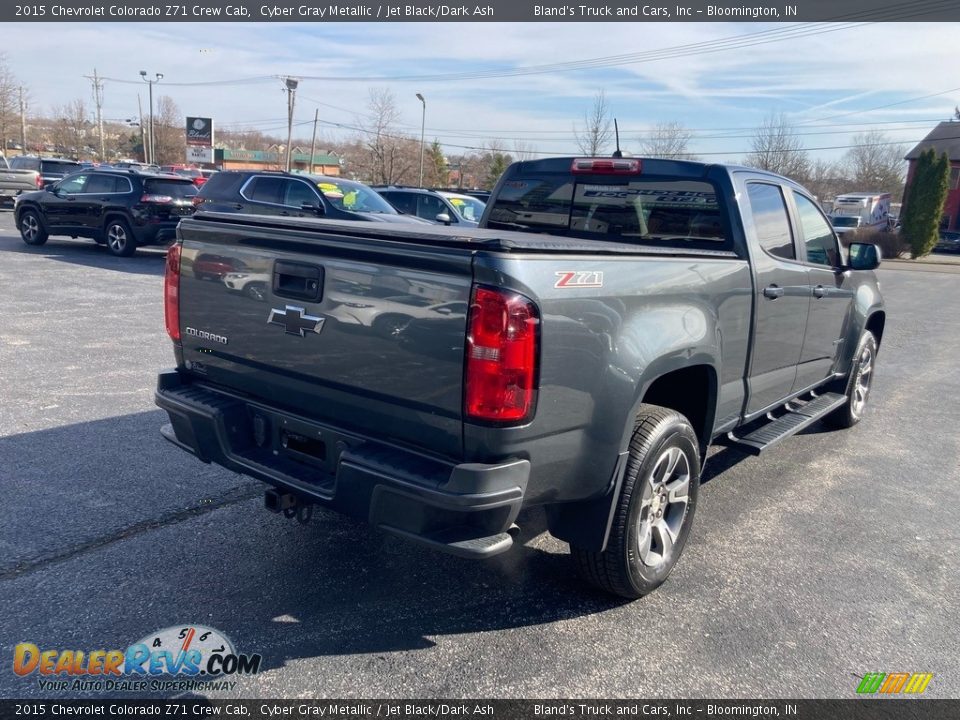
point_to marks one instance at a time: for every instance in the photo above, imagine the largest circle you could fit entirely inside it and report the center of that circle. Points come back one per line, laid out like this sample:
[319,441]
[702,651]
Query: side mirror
[317,210]
[864,256]
[444,218]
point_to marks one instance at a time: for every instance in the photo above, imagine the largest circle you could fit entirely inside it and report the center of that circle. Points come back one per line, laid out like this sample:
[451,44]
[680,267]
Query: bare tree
[597,131]
[876,163]
[385,155]
[70,127]
[777,148]
[523,151]
[667,140]
[9,103]
[170,142]
[825,180]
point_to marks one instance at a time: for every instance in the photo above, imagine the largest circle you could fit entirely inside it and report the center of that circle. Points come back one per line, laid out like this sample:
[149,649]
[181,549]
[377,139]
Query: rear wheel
[120,240]
[391,326]
[858,386]
[654,510]
[31,228]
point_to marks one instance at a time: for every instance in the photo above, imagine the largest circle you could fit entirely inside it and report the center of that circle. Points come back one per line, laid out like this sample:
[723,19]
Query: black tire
[32,229]
[858,383]
[119,237]
[631,566]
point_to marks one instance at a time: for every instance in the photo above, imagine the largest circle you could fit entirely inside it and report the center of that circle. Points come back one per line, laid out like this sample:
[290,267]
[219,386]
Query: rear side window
[177,189]
[220,185]
[105,184]
[651,210]
[265,190]
[404,202]
[770,220]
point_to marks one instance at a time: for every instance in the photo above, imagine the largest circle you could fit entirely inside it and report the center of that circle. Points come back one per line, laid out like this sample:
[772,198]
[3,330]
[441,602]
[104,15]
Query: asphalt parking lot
[833,555]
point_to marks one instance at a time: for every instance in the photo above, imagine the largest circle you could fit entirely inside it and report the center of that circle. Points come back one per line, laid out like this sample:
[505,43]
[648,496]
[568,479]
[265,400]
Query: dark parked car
[51,169]
[949,242]
[436,206]
[120,208]
[288,195]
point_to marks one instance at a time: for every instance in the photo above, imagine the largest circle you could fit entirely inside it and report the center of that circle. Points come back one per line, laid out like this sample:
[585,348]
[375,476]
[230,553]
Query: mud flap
[586,523]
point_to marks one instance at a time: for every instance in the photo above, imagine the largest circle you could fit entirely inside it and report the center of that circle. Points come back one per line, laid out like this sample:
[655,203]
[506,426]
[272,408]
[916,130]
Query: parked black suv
[277,193]
[50,169]
[120,208]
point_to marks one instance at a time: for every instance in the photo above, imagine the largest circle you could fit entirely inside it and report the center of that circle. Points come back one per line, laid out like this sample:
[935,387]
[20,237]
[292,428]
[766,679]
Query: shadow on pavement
[146,261]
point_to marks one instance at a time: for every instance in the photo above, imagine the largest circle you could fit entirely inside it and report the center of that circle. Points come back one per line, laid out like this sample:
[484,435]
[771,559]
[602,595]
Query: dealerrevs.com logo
[178,658]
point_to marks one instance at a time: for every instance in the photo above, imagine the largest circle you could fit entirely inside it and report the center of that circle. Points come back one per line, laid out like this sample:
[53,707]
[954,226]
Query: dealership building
[323,163]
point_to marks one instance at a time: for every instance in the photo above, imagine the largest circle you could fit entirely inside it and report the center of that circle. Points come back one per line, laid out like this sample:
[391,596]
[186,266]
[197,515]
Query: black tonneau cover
[444,236]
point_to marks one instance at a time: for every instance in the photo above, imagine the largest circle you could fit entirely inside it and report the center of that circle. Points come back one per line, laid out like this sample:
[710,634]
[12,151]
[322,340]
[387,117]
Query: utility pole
[423,126]
[98,101]
[313,142]
[23,124]
[143,137]
[291,84]
[159,77]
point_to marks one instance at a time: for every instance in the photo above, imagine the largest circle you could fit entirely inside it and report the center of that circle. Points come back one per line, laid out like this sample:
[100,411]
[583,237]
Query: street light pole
[423,126]
[159,77]
[291,84]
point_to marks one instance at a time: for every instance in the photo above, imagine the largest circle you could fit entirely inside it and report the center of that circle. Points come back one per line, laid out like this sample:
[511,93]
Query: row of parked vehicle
[130,205]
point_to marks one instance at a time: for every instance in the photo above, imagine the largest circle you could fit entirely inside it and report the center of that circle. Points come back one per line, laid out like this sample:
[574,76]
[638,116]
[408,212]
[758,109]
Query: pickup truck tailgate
[363,333]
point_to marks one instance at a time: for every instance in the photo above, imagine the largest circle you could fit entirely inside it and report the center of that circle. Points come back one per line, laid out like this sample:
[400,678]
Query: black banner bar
[192,707]
[481,11]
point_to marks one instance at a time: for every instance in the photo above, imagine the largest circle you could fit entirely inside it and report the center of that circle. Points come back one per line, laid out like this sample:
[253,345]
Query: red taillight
[156,198]
[39,181]
[606,166]
[171,293]
[501,357]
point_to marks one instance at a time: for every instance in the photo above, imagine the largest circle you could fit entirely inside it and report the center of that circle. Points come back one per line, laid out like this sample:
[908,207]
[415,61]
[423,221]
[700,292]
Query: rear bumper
[466,509]
[148,233]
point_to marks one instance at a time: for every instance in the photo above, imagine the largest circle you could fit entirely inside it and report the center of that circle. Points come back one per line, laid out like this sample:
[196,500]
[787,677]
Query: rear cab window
[636,208]
[54,167]
[168,187]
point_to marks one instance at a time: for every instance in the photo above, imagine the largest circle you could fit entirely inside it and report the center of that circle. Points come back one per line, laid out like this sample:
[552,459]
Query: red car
[195,174]
[214,267]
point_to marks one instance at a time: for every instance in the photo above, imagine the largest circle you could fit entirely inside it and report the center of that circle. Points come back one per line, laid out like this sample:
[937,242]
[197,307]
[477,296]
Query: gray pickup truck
[609,320]
[14,182]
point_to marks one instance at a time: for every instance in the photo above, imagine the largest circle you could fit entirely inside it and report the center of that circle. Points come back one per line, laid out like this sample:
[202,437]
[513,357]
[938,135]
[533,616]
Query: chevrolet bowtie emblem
[295,321]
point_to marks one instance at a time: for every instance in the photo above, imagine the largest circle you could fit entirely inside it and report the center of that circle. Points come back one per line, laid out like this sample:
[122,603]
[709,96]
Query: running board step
[789,424]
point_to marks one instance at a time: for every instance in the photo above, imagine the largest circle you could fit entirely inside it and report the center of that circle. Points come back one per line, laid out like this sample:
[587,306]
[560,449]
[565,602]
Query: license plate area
[301,450]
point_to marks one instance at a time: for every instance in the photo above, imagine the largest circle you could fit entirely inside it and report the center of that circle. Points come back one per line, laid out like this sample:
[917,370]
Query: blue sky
[832,84]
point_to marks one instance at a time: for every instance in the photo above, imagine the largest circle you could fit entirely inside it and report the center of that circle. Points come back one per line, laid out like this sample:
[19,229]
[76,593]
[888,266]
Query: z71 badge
[579,279]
